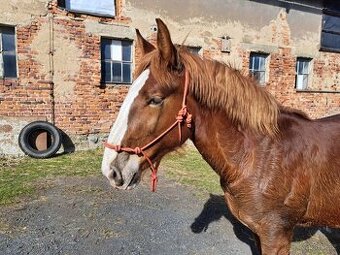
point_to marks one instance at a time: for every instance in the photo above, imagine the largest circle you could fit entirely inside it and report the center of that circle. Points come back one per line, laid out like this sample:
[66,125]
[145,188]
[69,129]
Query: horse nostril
[117,177]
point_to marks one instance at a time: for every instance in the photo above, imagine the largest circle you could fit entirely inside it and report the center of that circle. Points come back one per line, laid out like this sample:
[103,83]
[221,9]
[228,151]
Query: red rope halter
[183,115]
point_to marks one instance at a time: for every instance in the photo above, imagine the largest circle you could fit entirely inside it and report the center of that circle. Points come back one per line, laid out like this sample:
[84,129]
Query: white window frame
[302,74]
[116,57]
[259,71]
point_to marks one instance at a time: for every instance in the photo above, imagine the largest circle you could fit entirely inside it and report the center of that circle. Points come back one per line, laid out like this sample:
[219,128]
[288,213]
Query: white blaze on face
[120,126]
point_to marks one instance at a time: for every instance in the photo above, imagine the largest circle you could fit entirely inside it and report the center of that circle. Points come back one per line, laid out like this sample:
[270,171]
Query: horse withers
[277,167]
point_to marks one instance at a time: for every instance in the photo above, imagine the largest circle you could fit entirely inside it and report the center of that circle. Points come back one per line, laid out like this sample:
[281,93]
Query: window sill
[80,15]
[8,81]
[316,91]
[330,50]
[115,84]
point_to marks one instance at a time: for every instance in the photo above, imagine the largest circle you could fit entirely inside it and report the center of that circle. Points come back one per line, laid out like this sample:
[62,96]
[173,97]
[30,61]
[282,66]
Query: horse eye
[155,101]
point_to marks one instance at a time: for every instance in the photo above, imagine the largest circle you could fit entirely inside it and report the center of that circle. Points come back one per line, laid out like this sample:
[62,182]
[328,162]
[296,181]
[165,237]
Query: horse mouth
[134,181]
[131,182]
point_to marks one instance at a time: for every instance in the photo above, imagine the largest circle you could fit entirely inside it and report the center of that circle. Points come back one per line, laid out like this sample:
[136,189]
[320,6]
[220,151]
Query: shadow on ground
[67,144]
[215,208]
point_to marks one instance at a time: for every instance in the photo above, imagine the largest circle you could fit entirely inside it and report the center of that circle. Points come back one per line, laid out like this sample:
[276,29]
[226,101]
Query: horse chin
[133,183]
[131,174]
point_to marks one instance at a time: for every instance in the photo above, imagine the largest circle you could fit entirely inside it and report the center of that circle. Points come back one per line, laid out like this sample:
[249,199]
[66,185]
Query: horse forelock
[218,86]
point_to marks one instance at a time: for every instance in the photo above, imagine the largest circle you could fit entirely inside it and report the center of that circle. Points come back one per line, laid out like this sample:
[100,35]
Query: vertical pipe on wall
[51,64]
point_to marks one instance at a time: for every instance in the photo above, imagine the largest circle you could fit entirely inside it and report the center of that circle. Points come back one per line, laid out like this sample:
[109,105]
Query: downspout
[51,64]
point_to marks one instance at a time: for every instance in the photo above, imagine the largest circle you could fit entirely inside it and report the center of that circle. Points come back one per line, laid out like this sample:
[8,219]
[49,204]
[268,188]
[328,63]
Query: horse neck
[224,145]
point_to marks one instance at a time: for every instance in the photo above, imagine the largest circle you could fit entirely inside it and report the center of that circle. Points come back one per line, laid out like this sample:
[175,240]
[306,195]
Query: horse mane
[218,86]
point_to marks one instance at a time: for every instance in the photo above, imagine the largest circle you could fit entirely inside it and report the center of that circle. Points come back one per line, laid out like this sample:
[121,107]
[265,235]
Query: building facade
[71,63]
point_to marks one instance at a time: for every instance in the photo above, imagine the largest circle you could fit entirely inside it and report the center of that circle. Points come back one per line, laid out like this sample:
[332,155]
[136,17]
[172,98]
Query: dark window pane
[61,3]
[330,41]
[105,49]
[257,61]
[8,39]
[106,71]
[127,73]
[10,65]
[126,50]
[331,5]
[116,72]
[331,23]
[300,67]
[251,63]
[194,50]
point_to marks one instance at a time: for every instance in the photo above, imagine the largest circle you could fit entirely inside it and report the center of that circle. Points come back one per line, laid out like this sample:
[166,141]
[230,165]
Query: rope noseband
[182,116]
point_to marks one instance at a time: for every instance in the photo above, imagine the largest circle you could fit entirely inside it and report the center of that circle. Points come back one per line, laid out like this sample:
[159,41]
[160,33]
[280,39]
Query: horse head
[150,108]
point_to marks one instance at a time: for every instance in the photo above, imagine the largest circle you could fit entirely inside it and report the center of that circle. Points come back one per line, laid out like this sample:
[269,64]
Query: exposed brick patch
[6,128]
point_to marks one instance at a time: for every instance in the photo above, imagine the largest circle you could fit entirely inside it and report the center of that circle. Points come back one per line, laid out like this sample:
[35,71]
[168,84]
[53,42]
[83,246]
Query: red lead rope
[183,115]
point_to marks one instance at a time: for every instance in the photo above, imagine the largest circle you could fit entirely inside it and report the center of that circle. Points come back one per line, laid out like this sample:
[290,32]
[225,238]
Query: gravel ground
[85,216]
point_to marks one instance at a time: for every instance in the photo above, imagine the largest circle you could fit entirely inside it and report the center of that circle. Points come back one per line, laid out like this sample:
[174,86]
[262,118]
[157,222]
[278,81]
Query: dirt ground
[74,215]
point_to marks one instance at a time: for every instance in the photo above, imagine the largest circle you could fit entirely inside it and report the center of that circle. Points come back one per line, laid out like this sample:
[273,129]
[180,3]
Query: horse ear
[143,44]
[165,46]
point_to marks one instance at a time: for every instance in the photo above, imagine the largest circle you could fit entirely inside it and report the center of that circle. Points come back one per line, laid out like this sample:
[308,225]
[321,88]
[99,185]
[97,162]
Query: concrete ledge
[10,128]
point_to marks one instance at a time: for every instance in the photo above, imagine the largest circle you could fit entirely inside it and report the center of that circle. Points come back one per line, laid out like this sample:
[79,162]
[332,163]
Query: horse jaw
[119,128]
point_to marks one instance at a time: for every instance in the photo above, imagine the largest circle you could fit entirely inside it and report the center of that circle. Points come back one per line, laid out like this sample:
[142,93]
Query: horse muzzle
[123,172]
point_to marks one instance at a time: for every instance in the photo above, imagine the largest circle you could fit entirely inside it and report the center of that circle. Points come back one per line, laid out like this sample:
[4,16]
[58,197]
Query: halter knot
[181,115]
[188,120]
[117,148]
[138,151]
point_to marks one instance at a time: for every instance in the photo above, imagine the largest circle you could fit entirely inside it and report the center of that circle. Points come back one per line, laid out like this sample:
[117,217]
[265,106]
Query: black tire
[28,137]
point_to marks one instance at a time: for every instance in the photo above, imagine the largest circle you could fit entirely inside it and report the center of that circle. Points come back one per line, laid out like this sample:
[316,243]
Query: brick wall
[59,71]
[87,108]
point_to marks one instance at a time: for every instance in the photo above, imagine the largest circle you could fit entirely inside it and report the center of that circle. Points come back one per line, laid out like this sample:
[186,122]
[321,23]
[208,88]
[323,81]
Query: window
[8,59]
[194,49]
[302,73]
[257,66]
[61,3]
[116,58]
[100,8]
[330,33]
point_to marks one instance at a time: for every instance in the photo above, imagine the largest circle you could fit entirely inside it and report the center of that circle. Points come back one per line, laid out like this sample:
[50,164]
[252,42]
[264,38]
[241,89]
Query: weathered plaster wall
[284,33]
[22,12]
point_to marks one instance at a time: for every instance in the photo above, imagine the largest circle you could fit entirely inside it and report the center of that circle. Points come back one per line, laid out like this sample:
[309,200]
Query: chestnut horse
[277,167]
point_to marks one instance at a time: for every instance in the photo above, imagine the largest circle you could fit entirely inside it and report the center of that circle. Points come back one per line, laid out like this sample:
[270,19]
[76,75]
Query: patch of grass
[188,167]
[20,176]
